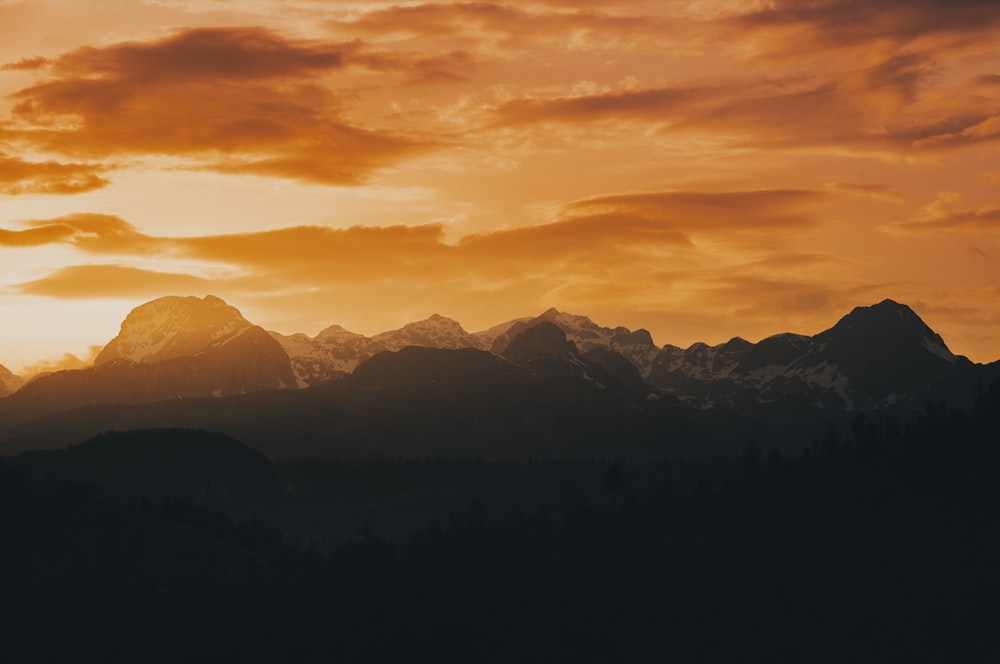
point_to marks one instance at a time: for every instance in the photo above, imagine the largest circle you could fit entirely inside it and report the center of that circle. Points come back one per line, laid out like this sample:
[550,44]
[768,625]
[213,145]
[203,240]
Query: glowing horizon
[706,170]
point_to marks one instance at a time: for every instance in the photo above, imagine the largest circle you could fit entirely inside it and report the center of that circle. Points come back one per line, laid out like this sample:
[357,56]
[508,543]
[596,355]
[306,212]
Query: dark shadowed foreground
[881,545]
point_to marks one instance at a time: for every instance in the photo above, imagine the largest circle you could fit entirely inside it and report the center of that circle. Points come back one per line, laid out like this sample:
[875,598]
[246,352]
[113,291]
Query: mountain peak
[337,333]
[173,326]
[888,317]
[437,331]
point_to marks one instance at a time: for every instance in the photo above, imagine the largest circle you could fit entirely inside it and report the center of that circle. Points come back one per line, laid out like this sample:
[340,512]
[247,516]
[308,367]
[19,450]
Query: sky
[700,168]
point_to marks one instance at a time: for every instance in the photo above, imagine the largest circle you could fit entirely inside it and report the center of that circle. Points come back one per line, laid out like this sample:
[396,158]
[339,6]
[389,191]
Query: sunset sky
[701,168]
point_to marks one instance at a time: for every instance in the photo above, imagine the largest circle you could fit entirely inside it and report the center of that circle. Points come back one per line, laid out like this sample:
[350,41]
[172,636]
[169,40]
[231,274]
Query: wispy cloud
[18,176]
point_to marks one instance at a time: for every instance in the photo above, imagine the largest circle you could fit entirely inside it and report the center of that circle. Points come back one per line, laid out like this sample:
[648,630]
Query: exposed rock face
[9,381]
[171,327]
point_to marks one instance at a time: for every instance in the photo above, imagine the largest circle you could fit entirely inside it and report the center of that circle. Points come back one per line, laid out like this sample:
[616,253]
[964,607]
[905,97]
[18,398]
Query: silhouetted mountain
[615,371]
[193,465]
[875,357]
[171,348]
[464,370]
[541,342]
[542,396]
[416,402]
[9,381]
[543,349]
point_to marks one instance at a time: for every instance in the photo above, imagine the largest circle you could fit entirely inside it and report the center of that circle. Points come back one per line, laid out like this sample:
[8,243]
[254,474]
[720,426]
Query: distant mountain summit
[434,332]
[874,357]
[171,327]
[335,352]
[637,347]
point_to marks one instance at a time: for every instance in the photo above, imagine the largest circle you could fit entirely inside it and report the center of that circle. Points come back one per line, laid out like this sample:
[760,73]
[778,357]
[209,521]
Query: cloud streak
[87,281]
[608,249]
[18,176]
[878,108]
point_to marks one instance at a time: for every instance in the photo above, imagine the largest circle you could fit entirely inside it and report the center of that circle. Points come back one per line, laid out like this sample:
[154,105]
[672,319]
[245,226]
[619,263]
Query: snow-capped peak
[434,332]
[173,326]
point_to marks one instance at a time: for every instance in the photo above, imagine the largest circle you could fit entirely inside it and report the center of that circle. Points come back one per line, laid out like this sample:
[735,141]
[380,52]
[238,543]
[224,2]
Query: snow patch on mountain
[434,332]
[937,347]
[171,327]
[828,377]
[335,351]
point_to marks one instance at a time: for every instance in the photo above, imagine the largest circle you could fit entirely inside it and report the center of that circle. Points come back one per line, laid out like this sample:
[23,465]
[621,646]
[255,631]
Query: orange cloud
[26,64]
[593,245]
[84,281]
[595,226]
[18,176]
[485,21]
[942,218]
[873,191]
[35,237]
[700,212]
[874,104]
[602,237]
[851,22]
[453,66]
[237,99]
[101,233]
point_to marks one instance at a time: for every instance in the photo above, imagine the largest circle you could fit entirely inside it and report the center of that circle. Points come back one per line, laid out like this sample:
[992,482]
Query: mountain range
[558,379]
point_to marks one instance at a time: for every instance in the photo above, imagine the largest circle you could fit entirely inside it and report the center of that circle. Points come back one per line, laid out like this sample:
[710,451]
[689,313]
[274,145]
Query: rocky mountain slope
[170,348]
[637,347]
[9,381]
[335,352]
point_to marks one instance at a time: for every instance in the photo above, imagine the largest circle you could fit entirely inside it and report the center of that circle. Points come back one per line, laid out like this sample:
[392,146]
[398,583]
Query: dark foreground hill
[159,464]
[883,546]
